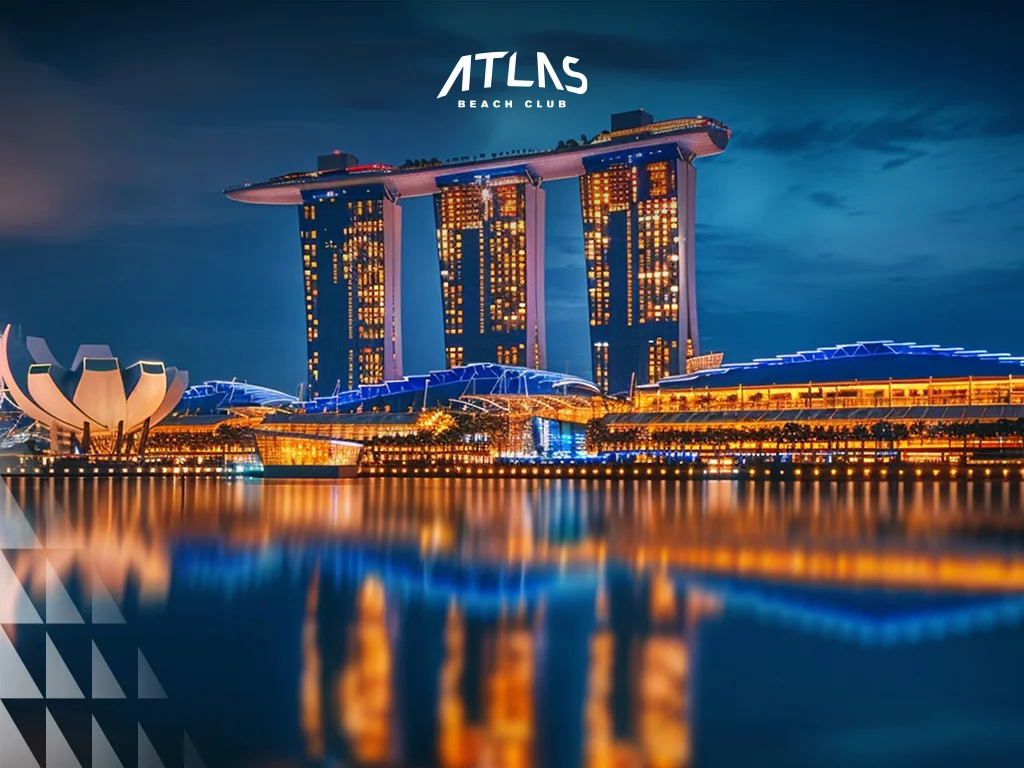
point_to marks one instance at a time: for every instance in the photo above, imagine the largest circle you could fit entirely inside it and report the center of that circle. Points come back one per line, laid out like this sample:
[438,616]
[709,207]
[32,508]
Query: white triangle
[148,758]
[192,758]
[60,683]
[15,752]
[58,751]
[15,529]
[15,605]
[149,686]
[104,609]
[104,684]
[15,680]
[60,608]
[103,755]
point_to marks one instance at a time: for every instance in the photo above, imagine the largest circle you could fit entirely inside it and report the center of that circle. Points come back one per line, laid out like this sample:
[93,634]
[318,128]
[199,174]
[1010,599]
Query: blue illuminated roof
[438,387]
[213,396]
[405,394]
[860,361]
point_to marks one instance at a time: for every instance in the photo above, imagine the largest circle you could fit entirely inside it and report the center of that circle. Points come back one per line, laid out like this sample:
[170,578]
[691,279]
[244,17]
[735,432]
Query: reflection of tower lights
[436,536]
[365,684]
[311,693]
[508,741]
[597,716]
[453,749]
[664,727]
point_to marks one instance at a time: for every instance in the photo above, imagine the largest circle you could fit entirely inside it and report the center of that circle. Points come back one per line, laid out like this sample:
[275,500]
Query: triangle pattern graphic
[15,680]
[148,758]
[15,530]
[104,684]
[103,755]
[15,753]
[60,683]
[192,758]
[15,605]
[60,608]
[58,751]
[104,609]
[149,686]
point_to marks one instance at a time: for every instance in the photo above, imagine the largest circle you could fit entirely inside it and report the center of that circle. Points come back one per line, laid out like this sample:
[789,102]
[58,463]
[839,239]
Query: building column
[686,197]
[392,289]
[536,328]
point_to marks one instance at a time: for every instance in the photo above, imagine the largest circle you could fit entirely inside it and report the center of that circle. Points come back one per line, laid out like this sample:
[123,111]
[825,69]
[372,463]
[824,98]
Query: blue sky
[874,186]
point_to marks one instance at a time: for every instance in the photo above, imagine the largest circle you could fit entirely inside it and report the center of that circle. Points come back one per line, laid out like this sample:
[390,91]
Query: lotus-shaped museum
[95,395]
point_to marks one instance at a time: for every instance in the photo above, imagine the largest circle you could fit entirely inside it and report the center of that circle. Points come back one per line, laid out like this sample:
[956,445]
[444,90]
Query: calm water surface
[510,623]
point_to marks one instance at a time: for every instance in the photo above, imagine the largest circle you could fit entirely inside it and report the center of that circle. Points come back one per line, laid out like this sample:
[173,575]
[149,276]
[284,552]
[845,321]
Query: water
[457,623]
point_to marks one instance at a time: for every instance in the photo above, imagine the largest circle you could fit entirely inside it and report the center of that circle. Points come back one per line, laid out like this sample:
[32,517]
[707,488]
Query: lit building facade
[490,246]
[637,186]
[351,265]
[638,232]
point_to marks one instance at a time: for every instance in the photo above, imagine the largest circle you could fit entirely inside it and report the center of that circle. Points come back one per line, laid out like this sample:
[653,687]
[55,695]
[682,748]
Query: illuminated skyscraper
[637,185]
[351,244]
[638,234]
[490,244]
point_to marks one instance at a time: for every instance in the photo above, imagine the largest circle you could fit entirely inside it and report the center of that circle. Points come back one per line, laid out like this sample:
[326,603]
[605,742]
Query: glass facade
[351,242]
[490,245]
[638,242]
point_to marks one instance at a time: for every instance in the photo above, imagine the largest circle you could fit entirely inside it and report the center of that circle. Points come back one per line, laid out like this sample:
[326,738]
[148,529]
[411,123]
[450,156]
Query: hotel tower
[637,188]
[490,244]
[638,241]
[351,266]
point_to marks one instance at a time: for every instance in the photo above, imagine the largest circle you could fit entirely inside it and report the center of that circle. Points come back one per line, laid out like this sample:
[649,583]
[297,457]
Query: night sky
[873,188]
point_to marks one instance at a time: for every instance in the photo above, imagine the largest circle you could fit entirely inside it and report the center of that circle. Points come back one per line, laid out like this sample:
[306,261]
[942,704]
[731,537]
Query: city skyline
[853,202]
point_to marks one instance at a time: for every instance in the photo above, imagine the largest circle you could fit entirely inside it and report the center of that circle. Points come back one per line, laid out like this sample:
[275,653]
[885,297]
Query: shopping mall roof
[860,361]
[702,419]
[438,388]
[216,396]
[410,393]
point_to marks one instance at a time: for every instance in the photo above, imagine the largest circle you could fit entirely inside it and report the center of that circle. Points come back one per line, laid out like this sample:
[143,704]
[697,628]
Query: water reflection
[473,623]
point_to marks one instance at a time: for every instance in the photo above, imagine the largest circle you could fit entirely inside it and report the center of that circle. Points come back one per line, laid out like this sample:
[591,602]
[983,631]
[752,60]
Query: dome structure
[95,395]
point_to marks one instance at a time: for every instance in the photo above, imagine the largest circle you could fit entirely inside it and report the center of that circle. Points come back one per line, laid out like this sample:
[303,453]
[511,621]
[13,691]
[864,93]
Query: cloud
[152,141]
[827,200]
[666,59]
[897,162]
[890,134]
[969,213]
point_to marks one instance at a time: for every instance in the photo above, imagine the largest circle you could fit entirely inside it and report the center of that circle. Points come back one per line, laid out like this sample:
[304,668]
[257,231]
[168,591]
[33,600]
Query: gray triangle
[104,609]
[149,686]
[58,751]
[15,605]
[60,608]
[103,755]
[15,529]
[15,680]
[15,753]
[60,683]
[192,758]
[148,758]
[104,684]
